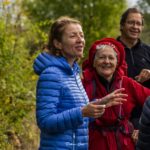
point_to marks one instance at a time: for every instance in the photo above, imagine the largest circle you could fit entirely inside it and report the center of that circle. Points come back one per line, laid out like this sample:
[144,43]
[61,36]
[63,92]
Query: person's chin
[106,75]
[80,55]
[134,37]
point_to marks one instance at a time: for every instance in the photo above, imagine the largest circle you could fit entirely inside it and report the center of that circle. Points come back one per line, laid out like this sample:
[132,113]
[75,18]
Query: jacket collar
[136,45]
[45,60]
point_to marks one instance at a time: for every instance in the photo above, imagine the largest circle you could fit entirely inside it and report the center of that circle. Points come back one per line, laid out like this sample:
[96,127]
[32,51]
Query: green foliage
[22,35]
[99,18]
[17,84]
[145,7]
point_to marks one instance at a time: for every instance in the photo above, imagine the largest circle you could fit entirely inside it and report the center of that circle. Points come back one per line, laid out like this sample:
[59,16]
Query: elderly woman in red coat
[103,72]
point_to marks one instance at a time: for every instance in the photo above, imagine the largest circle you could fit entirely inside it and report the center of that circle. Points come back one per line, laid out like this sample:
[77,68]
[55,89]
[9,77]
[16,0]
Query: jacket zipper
[132,58]
[73,142]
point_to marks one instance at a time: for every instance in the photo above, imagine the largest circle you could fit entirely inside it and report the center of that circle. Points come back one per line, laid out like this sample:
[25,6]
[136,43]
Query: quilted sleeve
[47,103]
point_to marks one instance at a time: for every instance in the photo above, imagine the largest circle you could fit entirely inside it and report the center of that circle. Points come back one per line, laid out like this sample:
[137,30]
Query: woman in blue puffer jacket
[62,106]
[143,142]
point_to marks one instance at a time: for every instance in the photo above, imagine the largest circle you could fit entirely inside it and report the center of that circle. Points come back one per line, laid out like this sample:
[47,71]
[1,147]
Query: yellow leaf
[6,2]
[34,77]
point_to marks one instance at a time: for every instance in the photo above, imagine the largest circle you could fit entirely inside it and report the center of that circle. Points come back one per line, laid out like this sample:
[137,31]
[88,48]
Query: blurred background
[24,27]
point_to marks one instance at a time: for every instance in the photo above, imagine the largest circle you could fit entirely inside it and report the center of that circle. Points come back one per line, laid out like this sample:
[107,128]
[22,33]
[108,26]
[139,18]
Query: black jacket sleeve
[143,142]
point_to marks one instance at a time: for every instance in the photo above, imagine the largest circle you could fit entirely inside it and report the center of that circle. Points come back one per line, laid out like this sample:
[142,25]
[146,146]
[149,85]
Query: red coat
[106,132]
[101,138]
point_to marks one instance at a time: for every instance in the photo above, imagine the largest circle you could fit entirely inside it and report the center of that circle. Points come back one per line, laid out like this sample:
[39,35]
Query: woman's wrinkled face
[105,62]
[72,42]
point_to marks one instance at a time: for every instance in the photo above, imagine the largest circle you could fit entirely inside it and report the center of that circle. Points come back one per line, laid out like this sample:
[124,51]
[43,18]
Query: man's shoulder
[144,44]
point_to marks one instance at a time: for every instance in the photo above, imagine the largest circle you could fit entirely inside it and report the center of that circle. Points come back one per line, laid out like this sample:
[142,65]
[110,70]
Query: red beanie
[117,46]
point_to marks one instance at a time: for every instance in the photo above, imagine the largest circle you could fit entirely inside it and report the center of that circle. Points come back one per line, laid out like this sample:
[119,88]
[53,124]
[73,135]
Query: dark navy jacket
[137,58]
[143,142]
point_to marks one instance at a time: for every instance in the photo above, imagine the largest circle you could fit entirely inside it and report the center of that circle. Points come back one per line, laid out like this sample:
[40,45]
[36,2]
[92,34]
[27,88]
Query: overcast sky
[132,2]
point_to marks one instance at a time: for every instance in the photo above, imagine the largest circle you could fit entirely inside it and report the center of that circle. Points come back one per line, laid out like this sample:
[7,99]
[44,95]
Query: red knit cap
[117,46]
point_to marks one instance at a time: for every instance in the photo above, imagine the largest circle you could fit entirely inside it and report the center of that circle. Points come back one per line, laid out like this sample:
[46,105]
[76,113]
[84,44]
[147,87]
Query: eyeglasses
[132,23]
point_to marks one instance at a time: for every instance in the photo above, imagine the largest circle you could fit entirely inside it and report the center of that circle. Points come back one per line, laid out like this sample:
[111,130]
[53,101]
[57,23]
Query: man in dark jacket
[137,53]
[143,142]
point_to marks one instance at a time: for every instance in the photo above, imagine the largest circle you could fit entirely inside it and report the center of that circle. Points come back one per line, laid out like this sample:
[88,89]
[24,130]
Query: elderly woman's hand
[135,135]
[114,98]
[96,108]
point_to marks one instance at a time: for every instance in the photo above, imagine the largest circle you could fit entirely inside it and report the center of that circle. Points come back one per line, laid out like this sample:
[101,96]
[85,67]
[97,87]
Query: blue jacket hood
[45,60]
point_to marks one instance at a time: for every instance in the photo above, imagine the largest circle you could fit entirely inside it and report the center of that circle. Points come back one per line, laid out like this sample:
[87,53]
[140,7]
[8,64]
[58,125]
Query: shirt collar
[136,45]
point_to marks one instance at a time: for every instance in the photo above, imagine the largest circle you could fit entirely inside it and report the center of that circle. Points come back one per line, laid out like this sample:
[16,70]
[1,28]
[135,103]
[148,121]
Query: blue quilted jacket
[59,98]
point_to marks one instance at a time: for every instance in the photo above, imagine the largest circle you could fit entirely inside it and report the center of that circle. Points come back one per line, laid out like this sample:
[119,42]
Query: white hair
[103,46]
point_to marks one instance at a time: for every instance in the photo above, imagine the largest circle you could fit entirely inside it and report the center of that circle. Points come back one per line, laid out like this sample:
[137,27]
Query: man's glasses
[132,23]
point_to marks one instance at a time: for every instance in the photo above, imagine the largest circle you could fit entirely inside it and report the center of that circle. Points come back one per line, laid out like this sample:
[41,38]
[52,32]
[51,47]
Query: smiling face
[72,42]
[132,27]
[105,62]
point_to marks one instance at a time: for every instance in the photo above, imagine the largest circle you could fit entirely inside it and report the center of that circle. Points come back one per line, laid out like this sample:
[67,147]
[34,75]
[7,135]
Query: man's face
[133,26]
